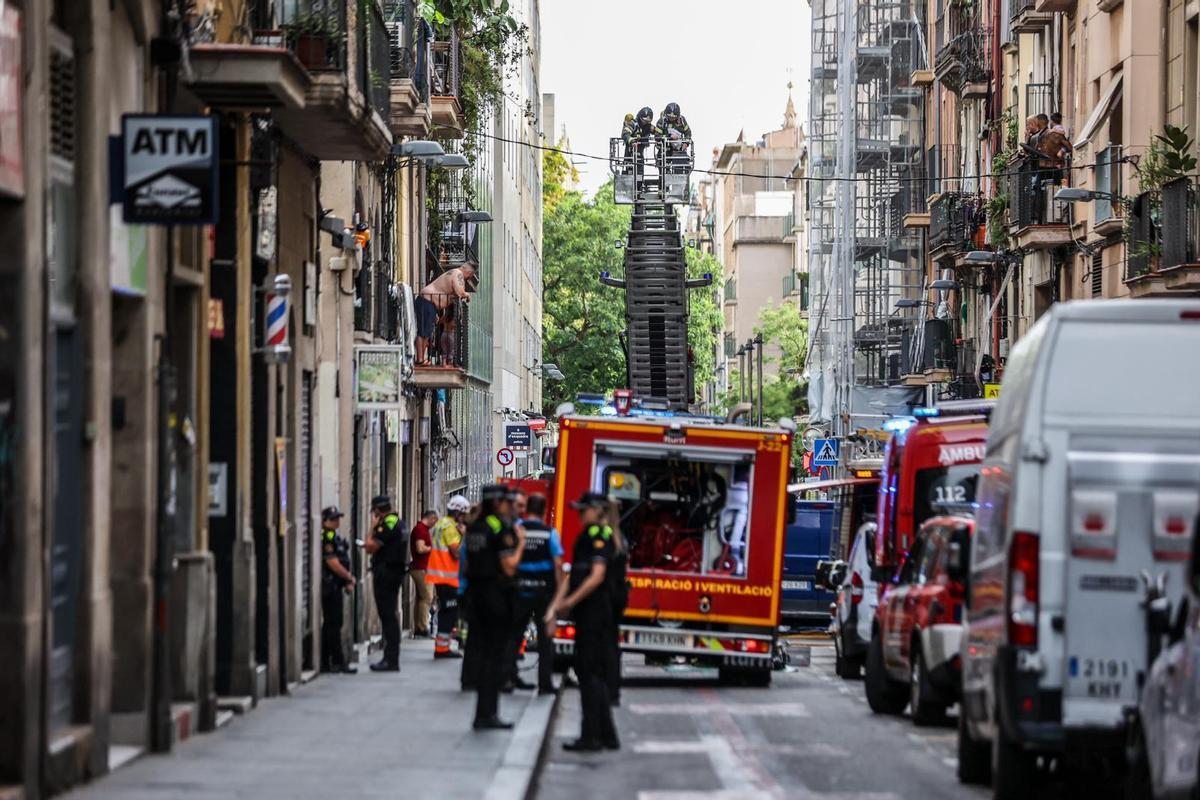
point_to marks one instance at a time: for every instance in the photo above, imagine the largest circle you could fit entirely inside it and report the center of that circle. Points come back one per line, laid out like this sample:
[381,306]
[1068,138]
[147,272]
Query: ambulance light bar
[957,408]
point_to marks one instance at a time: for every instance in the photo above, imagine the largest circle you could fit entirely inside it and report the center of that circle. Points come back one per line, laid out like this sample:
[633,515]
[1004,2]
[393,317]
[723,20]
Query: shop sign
[169,170]
[377,377]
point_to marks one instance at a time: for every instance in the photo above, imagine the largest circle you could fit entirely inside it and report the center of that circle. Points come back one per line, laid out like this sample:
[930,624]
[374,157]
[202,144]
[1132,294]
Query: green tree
[705,321]
[784,329]
[582,319]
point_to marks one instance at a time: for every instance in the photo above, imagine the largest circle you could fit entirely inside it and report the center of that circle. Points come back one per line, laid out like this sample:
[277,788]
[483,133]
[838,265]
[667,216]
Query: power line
[806,178]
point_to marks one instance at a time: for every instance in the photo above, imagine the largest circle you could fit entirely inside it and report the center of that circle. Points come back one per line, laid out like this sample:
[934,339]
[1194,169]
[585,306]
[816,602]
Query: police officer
[493,552]
[388,546]
[538,576]
[589,603]
[336,579]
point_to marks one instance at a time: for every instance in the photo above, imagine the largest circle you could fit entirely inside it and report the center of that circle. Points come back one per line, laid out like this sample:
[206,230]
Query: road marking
[704,745]
[757,794]
[733,709]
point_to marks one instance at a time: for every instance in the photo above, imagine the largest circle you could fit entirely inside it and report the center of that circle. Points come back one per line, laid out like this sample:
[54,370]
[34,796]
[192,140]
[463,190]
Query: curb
[514,778]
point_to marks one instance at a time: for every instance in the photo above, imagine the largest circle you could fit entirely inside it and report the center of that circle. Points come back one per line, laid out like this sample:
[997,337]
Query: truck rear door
[1129,512]
[806,541]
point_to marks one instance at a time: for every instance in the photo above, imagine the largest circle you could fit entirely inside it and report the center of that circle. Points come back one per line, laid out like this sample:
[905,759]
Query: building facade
[753,229]
[178,403]
[949,167]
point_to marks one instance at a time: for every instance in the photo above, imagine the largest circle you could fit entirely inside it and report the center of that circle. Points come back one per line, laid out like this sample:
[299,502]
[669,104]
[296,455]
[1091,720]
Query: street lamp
[453,161]
[472,215]
[944,284]
[1071,194]
[911,302]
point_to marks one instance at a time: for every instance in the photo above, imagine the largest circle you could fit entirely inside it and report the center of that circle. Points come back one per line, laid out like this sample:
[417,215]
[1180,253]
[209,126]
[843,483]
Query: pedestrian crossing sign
[825,453]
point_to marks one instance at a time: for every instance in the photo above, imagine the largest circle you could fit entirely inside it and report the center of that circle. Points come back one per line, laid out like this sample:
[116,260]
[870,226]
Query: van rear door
[1129,511]
[806,541]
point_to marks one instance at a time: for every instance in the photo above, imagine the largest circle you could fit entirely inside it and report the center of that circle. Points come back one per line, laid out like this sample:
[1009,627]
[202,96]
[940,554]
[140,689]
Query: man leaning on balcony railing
[435,300]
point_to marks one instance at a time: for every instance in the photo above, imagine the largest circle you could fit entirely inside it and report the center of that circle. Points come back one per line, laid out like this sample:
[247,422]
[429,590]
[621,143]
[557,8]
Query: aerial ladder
[653,175]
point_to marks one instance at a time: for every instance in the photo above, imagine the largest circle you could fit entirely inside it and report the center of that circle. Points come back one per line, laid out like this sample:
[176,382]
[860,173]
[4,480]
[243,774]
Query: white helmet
[458,503]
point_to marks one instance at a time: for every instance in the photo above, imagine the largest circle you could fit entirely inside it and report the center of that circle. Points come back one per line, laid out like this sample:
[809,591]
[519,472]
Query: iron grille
[1178,223]
[62,99]
[1097,274]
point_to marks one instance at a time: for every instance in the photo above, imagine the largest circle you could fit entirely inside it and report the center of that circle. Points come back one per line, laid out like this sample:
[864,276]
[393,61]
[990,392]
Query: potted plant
[310,35]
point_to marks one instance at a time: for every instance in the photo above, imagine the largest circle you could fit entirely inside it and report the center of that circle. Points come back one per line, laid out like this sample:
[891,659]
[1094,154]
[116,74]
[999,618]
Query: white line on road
[733,709]
[817,749]
[758,794]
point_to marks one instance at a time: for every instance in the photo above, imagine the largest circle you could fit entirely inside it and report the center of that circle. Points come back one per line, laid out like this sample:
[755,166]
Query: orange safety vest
[443,566]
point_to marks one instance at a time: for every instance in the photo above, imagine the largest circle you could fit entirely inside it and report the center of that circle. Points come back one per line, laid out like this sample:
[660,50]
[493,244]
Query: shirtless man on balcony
[443,290]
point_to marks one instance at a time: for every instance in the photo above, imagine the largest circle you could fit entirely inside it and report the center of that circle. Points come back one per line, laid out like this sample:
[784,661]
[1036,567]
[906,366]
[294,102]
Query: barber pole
[275,330]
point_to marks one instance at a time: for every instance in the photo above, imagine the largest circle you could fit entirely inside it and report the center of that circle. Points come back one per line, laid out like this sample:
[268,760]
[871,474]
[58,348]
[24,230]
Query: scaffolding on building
[867,172]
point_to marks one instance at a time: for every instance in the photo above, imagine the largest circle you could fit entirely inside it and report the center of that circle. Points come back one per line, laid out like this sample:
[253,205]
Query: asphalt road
[810,735]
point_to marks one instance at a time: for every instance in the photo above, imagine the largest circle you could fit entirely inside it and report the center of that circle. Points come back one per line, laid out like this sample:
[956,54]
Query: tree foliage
[784,329]
[582,319]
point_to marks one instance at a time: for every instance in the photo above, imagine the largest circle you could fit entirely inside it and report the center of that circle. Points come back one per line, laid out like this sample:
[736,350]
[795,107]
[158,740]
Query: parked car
[1090,479]
[807,540]
[854,608]
[1164,750]
[914,661]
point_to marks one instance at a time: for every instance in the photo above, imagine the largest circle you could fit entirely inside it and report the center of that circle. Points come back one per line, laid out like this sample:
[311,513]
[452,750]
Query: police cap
[381,503]
[590,500]
[331,512]
[495,492]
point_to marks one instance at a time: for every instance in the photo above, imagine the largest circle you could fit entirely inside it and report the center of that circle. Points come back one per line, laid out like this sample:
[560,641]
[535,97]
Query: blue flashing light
[608,411]
[923,413]
[898,424]
[605,274]
[708,276]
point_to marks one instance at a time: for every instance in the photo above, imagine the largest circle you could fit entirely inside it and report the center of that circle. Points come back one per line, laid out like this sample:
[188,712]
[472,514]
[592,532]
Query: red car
[916,661]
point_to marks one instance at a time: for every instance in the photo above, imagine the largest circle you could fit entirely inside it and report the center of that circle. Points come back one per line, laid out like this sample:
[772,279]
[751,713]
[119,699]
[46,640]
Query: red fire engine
[703,510]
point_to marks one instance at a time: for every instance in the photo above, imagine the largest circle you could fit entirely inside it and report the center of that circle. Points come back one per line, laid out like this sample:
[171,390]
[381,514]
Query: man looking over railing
[436,297]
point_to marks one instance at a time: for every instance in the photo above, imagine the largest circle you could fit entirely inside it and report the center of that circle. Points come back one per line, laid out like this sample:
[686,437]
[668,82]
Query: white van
[1092,477]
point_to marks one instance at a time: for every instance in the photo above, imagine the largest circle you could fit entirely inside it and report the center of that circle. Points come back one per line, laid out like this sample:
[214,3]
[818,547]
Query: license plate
[802,586]
[1101,678]
[662,639]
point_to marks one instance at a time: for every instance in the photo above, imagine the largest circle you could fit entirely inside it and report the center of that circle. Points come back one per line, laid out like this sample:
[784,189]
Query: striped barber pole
[277,311]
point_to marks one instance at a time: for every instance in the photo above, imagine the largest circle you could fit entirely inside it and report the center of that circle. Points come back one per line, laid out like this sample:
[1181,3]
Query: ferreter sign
[170,169]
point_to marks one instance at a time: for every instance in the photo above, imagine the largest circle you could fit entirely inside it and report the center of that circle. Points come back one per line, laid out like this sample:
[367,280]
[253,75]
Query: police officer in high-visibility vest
[493,554]
[388,546]
[538,576]
[589,605]
[442,572]
[336,580]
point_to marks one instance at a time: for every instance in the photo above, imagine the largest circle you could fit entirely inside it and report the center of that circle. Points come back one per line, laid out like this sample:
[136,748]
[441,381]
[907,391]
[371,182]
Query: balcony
[1054,6]
[914,193]
[446,352]
[1026,17]
[1180,265]
[248,76]
[1042,222]
[346,103]
[788,228]
[758,230]
[954,222]
[409,86]
[795,286]
[445,81]
[1144,247]
[962,59]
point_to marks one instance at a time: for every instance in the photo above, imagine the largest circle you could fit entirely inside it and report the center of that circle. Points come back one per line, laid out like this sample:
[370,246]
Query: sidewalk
[370,735]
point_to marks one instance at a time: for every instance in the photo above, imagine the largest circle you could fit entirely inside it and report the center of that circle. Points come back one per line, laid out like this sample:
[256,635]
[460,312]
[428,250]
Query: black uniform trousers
[532,605]
[387,582]
[447,613]
[593,646]
[490,608]
[332,615]
[612,664]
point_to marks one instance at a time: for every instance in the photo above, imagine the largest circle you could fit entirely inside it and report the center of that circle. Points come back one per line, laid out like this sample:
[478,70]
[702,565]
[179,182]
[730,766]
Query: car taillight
[856,589]
[1023,590]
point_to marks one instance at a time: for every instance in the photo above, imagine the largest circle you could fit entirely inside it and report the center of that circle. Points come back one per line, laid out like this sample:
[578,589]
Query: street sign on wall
[169,169]
[517,436]
[991,391]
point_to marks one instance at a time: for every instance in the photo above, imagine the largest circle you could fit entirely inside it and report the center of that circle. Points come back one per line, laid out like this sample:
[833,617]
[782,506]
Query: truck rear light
[1023,590]
[856,589]
[1189,314]
[1094,523]
[562,631]
[1174,512]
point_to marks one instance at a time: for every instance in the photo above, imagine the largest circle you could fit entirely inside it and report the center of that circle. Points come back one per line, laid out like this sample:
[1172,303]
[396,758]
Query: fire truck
[703,510]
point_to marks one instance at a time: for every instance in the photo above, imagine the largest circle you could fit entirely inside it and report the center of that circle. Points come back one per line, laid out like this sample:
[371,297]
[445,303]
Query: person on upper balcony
[444,290]
[672,124]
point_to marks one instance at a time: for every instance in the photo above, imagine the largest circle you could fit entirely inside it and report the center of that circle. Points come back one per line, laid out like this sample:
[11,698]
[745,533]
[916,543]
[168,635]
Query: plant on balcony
[1168,158]
[311,35]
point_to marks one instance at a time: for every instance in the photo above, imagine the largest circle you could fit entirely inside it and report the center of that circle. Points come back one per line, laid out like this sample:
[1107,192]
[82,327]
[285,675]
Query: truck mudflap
[749,650]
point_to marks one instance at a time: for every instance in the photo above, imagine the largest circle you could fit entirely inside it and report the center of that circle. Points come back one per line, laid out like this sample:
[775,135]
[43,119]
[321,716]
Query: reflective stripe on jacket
[443,566]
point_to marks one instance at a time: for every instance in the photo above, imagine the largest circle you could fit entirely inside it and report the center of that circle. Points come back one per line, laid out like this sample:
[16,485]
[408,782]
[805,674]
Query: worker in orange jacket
[442,572]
